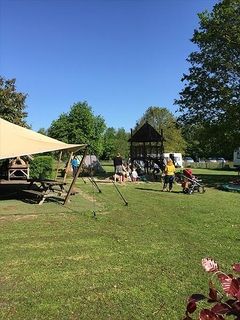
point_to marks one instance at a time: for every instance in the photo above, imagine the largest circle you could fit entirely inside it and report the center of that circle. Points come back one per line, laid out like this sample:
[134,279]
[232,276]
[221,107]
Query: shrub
[223,304]
[41,167]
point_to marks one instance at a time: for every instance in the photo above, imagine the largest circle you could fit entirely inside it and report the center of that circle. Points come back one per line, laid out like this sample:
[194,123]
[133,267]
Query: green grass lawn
[139,261]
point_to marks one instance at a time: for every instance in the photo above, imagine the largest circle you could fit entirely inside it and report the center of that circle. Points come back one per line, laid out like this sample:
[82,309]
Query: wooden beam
[76,176]
[58,165]
[67,167]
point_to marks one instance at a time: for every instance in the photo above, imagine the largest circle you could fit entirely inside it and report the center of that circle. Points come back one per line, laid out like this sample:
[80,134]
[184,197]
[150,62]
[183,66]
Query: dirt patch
[9,208]
[84,195]
[18,217]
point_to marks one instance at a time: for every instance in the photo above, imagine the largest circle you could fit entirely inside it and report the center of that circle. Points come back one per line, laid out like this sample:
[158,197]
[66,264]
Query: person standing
[75,164]
[162,163]
[171,156]
[169,175]
[118,166]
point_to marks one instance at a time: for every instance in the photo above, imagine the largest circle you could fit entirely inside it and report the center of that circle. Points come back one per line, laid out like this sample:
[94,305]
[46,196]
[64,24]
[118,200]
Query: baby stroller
[191,183]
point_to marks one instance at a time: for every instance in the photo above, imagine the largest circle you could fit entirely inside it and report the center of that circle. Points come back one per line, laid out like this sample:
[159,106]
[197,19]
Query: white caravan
[236,157]
[177,158]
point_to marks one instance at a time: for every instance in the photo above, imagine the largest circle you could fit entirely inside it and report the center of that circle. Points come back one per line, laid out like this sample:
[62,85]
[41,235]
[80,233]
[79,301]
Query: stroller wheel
[201,189]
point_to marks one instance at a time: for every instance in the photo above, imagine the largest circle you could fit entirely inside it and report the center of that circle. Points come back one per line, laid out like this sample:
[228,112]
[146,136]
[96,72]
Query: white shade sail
[18,141]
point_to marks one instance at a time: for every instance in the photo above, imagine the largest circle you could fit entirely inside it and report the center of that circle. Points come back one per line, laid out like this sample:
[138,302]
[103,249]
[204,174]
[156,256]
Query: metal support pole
[94,183]
[125,201]
[76,176]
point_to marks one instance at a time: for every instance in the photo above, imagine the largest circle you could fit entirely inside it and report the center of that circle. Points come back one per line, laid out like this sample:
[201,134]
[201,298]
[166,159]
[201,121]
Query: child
[187,173]
[134,175]
[169,175]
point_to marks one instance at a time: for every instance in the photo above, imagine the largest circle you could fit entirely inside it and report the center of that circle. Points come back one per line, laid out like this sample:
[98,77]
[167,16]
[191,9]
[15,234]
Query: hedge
[41,167]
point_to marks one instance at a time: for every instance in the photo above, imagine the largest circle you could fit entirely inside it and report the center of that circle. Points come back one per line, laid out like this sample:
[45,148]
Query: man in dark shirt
[118,166]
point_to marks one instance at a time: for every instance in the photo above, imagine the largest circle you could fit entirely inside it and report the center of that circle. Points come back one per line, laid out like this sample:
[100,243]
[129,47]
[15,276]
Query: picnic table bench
[46,188]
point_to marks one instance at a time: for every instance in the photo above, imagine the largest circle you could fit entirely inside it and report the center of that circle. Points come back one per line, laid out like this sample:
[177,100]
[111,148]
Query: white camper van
[236,157]
[177,158]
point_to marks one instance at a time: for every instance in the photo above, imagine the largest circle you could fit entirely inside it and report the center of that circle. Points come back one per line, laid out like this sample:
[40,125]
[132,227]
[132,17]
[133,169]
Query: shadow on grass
[11,191]
[208,180]
[156,190]
[15,192]
[215,181]
[31,199]
[148,189]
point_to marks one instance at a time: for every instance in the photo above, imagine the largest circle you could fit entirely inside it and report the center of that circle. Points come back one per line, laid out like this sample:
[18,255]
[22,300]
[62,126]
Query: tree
[80,126]
[43,131]
[161,118]
[193,134]
[109,143]
[121,143]
[115,141]
[59,129]
[12,103]
[210,98]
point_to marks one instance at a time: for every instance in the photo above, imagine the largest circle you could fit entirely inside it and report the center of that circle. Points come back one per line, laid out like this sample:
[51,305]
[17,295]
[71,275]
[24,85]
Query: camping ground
[140,261]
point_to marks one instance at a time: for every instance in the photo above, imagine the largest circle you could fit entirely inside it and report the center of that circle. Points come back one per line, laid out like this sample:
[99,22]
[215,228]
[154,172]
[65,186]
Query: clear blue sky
[121,56]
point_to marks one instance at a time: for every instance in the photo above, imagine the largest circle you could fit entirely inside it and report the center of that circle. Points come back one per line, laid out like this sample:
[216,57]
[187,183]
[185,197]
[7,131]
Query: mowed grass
[139,261]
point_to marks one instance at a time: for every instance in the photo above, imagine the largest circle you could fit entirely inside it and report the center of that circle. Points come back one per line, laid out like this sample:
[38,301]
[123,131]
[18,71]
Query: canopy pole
[58,165]
[67,167]
[76,176]
[125,201]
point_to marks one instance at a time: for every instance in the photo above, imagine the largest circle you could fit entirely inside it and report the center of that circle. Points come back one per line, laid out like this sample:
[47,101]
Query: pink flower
[209,265]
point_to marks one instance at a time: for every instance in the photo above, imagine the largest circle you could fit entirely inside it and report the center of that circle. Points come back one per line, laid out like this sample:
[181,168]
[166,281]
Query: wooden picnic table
[46,188]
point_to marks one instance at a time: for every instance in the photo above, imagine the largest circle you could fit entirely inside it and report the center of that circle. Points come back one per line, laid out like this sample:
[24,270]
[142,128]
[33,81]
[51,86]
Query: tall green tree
[12,103]
[121,143]
[43,131]
[162,118]
[109,139]
[80,125]
[115,141]
[210,98]
[59,129]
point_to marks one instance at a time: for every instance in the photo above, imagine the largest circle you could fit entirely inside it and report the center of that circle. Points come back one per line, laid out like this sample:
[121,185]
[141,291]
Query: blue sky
[121,56]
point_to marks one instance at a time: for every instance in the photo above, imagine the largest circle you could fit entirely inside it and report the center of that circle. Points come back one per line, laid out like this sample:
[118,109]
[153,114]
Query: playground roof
[146,134]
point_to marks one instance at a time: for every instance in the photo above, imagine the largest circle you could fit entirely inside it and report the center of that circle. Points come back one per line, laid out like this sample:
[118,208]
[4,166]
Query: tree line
[80,125]
[208,121]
